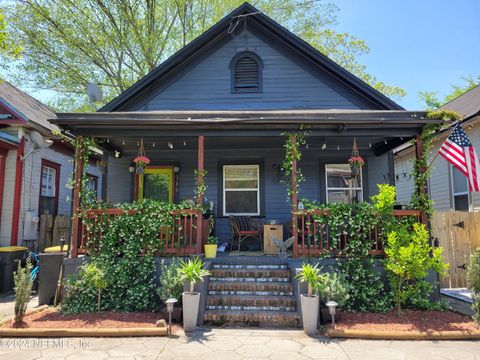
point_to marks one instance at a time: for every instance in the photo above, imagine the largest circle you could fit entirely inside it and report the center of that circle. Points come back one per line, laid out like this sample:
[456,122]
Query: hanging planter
[356,161]
[141,161]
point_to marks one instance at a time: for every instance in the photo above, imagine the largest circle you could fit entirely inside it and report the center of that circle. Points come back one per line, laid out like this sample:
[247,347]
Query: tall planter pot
[310,306]
[190,303]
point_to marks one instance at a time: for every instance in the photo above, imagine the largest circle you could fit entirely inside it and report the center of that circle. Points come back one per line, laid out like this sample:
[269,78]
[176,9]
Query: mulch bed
[53,319]
[409,320]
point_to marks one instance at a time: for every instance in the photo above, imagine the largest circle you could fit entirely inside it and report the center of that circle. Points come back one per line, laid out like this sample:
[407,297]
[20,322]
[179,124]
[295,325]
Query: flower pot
[355,170]
[210,250]
[310,307]
[190,303]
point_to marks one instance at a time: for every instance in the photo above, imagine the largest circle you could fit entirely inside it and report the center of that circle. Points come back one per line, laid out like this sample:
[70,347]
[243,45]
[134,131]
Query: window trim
[234,61]
[454,194]
[57,167]
[258,189]
[361,188]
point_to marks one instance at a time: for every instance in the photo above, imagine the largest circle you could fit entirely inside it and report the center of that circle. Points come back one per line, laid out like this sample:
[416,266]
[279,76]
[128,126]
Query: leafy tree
[8,49]
[431,97]
[409,258]
[114,43]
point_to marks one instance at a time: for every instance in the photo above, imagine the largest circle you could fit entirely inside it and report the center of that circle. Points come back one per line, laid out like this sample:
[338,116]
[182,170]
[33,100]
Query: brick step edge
[221,299]
[248,279]
[277,318]
[248,267]
[249,293]
[252,308]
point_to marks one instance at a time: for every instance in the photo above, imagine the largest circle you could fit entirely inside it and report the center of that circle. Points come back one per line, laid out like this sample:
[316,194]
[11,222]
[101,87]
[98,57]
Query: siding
[288,83]
[404,182]
[377,170]
[119,183]
[8,191]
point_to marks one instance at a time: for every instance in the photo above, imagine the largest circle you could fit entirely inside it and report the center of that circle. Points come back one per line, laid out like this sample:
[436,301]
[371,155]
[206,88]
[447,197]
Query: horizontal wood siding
[288,83]
[7,208]
[377,170]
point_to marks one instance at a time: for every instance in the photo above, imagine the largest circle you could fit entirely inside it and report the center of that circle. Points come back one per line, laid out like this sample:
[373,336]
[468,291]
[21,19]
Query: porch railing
[314,235]
[181,237]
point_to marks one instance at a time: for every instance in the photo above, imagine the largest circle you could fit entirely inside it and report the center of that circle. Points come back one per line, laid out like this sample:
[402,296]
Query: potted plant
[192,272]
[331,287]
[309,274]
[171,286]
[211,247]
[356,163]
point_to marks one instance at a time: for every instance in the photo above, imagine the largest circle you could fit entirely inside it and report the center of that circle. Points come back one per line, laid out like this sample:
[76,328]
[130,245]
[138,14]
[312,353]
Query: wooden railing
[314,236]
[177,238]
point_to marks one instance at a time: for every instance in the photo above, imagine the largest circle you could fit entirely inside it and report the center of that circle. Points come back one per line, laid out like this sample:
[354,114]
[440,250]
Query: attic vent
[246,74]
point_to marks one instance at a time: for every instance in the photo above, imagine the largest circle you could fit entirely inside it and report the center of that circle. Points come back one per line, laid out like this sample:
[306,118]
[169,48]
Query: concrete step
[273,318]
[275,288]
[249,301]
[253,273]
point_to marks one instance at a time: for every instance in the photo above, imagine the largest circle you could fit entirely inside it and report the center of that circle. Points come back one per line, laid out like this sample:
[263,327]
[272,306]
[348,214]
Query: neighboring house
[447,186]
[34,167]
[222,103]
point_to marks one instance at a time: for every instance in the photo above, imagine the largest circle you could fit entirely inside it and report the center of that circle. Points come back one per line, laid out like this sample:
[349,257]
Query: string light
[338,147]
[370,145]
[184,143]
[153,144]
[385,141]
[138,143]
[108,140]
[170,145]
[324,146]
[123,142]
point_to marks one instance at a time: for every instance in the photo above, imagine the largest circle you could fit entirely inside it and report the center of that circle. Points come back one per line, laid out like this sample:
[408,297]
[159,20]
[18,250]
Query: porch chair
[244,227]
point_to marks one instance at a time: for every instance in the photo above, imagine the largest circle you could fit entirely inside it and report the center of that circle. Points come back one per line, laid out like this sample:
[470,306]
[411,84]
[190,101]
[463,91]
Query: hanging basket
[141,161]
[356,161]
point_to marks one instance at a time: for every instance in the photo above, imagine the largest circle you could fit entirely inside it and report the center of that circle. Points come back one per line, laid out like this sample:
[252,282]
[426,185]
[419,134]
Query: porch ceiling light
[176,169]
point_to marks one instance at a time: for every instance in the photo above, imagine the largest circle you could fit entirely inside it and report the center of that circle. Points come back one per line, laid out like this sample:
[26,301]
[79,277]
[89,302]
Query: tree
[114,43]
[431,97]
[8,49]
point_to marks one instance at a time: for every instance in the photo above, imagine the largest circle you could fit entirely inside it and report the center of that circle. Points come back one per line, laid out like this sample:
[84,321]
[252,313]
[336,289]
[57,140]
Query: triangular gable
[218,32]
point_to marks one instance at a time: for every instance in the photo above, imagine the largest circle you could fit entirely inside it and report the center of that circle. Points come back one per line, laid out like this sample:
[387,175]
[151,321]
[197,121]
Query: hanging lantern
[356,161]
[141,161]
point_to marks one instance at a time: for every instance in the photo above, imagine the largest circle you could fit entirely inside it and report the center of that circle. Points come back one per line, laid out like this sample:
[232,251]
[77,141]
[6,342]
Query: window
[92,183]
[246,68]
[241,190]
[49,182]
[460,193]
[341,187]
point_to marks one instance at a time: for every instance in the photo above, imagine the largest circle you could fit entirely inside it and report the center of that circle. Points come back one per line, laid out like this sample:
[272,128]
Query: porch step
[250,288]
[287,302]
[252,293]
[273,318]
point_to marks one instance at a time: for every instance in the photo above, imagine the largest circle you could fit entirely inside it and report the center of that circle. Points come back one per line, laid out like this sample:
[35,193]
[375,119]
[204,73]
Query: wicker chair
[244,227]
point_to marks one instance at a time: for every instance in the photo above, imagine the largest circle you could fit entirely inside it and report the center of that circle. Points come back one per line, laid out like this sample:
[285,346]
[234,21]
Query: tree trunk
[99,298]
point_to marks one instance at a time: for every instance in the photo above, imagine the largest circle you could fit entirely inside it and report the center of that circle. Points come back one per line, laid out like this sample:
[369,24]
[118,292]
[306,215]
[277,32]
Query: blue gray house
[224,100]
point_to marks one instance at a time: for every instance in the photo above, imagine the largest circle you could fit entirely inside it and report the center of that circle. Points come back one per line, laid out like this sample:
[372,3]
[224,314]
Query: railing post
[200,180]
[294,201]
[76,197]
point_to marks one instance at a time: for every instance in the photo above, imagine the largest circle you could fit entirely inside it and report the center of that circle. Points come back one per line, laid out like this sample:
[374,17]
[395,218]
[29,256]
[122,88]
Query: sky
[418,45]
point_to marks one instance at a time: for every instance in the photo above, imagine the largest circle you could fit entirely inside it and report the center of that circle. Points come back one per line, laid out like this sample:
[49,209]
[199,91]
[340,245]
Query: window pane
[157,187]
[241,184]
[241,202]
[241,172]
[338,176]
[460,181]
[48,181]
[345,196]
[461,202]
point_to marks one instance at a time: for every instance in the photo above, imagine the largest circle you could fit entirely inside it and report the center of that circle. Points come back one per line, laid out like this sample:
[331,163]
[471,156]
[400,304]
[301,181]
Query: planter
[326,318]
[190,303]
[310,306]
[211,251]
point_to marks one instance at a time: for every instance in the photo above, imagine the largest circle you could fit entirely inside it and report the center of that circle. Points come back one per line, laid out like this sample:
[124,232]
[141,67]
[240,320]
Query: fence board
[458,233]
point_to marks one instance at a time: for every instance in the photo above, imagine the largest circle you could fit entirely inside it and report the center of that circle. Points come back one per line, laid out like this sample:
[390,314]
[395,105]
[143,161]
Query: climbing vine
[421,170]
[200,188]
[293,144]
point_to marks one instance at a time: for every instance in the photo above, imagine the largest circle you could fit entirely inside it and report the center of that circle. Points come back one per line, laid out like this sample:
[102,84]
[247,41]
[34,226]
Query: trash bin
[49,269]
[9,257]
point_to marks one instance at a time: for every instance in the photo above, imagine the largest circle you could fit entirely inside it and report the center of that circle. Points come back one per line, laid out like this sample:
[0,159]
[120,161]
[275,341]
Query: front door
[156,183]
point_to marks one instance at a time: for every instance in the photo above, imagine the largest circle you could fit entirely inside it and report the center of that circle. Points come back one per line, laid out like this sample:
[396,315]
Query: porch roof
[396,125]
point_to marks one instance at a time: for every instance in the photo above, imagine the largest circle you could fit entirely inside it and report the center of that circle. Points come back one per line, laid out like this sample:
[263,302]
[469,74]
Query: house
[447,186]
[34,167]
[221,104]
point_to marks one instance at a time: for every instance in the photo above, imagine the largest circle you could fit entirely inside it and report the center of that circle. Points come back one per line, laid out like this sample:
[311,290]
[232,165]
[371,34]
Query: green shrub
[309,274]
[23,289]
[96,277]
[171,283]
[473,281]
[332,287]
[192,271]
[409,258]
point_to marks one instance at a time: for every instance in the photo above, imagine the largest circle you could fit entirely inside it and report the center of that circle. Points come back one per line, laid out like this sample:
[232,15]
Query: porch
[178,143]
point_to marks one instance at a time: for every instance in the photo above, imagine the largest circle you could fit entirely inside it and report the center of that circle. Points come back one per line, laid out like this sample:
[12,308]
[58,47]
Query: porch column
[76,198]
[422,189]
[200,180]
[294,202]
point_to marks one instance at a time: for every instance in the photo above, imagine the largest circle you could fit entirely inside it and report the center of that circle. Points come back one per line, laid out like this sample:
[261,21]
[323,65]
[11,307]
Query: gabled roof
[466,105]
[24,107]
[287,38]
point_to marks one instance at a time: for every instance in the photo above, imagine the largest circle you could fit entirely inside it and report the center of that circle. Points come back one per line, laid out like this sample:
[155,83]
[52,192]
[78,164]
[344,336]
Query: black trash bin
[9,258]
[49,269]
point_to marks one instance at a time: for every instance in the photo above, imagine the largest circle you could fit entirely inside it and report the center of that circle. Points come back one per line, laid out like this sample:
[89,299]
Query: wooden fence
[458,233]
[52,229]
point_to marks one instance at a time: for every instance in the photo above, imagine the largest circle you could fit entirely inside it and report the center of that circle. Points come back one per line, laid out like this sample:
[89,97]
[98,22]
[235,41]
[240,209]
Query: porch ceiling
[240,129]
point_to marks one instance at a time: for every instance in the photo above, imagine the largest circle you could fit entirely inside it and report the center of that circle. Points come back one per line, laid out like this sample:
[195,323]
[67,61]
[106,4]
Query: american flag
[459,151]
